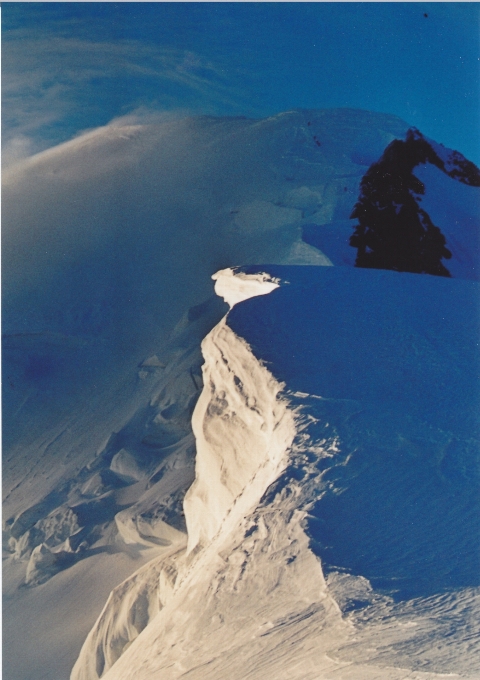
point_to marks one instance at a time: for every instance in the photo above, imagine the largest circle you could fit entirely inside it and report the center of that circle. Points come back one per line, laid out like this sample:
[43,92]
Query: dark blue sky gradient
[251,59]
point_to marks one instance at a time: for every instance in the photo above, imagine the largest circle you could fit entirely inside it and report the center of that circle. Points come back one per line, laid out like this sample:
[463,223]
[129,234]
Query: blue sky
[73,66]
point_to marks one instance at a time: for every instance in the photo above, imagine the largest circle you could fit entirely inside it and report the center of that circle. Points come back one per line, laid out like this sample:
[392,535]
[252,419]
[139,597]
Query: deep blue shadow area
[393,517]
[409,341]
[332,239]
[394,358]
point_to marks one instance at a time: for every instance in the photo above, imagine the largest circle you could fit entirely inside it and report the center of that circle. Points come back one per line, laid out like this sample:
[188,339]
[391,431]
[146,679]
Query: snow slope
[356,554]
[107,241]
[95,274]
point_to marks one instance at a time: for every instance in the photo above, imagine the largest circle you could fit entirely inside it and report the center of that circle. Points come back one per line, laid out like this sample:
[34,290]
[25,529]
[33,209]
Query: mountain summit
[268,491]
[394,232]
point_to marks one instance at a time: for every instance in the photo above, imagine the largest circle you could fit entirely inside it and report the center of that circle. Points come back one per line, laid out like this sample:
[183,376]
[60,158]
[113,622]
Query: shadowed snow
[108,240]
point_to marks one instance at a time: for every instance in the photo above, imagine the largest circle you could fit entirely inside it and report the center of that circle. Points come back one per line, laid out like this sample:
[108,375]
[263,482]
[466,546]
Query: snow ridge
[243,430]
[248,597]
[99,450]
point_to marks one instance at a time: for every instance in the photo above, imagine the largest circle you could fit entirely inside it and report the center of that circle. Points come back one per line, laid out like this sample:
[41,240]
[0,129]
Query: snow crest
[235,286]
[245,597]
[243,431]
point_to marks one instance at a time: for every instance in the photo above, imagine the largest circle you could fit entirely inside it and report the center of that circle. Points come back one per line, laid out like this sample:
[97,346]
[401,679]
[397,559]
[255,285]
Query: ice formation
[249,594]
[108,240]
[235,287]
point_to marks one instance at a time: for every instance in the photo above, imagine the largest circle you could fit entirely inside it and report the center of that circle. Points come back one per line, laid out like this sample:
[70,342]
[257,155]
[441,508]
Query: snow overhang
[235,286]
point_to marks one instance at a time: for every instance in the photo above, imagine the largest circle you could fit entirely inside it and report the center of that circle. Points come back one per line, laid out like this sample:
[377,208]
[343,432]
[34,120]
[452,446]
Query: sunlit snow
[236,287]
[285,490]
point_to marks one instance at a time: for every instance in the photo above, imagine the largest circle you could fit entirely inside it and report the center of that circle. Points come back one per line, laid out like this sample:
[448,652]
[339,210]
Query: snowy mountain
[332,521]
[367,462]
[394,231]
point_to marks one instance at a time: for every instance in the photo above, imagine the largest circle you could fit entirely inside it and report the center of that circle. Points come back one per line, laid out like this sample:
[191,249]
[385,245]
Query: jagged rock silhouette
[394,232]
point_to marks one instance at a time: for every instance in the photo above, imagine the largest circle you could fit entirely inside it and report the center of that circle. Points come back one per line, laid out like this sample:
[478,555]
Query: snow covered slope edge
[277,483]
